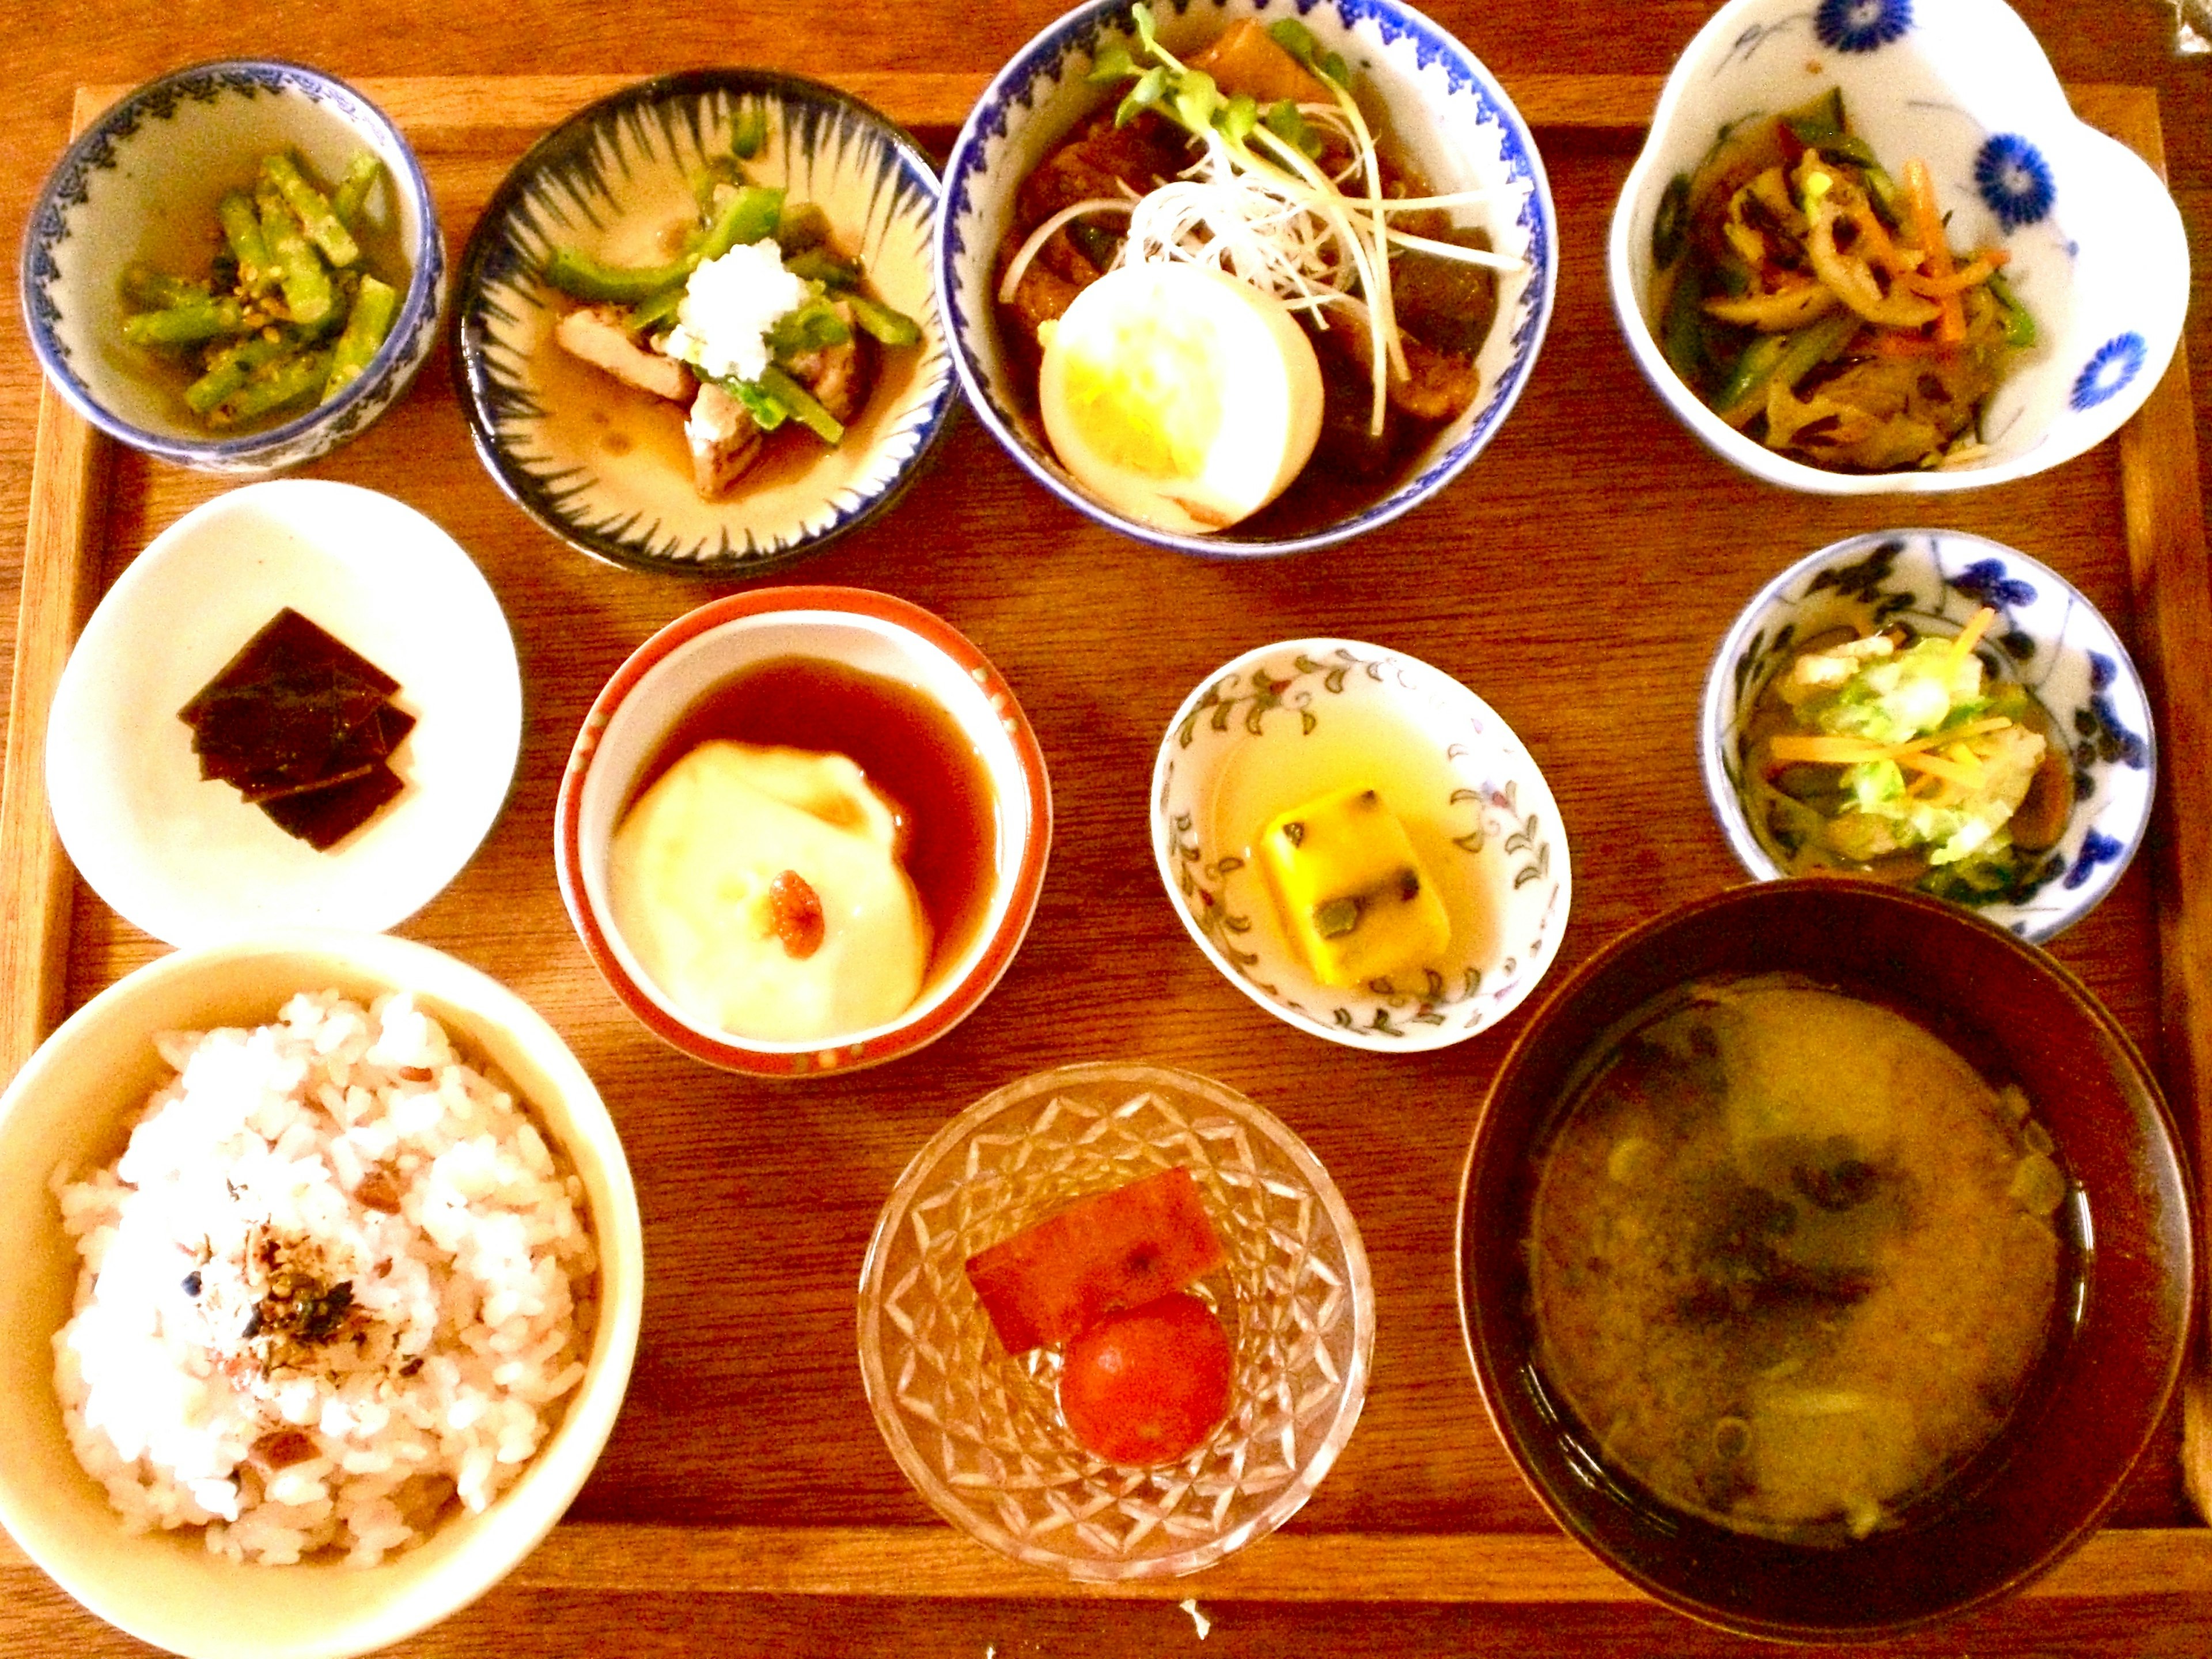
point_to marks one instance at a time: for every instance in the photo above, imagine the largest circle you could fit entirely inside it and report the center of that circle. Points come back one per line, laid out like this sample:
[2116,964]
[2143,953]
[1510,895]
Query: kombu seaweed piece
[288,643]
[324,817]
[301,724]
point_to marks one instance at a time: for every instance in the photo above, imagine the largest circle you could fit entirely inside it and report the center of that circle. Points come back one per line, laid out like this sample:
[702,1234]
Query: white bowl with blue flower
[2044,636]
[1446,115]
[1283,726]
[606,468]
[2094,246]
[139,187]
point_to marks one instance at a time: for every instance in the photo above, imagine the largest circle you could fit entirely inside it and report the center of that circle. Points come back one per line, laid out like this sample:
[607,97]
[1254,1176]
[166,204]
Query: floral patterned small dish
[2047,637]
[979,1431]
[142,183]
[1291,722]
[607,469]
[1448,113]
[2098,255]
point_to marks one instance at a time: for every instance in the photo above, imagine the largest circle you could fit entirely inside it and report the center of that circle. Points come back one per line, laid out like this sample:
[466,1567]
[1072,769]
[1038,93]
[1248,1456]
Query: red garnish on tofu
[1119,1249]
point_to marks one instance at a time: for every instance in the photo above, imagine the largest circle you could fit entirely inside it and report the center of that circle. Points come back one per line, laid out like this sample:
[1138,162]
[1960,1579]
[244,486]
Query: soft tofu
[1352,894]
[595,334]
[691,881]
[725,440]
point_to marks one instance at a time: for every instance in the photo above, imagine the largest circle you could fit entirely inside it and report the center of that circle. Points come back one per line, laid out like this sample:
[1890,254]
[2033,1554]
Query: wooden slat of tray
[2173,625]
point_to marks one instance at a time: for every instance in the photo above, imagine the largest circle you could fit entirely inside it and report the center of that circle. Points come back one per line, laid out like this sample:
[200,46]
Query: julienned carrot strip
[1927,227]
[1970,634]
[1934,288]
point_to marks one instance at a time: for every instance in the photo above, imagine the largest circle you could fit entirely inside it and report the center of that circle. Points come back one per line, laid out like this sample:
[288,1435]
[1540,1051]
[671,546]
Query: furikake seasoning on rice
[338,1286]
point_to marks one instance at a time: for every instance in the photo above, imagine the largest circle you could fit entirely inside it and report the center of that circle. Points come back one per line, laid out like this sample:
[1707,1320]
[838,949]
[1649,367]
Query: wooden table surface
[1576,577]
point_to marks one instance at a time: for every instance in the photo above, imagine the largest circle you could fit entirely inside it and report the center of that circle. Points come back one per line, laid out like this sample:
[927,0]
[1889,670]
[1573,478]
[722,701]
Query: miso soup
[1793,1259]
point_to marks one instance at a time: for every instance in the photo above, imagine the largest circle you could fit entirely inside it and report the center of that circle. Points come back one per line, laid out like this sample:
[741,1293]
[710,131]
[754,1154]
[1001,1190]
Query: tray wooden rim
[2166,538]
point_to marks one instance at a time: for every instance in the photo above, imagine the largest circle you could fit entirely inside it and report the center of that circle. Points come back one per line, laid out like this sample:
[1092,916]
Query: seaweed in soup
[1793,1259]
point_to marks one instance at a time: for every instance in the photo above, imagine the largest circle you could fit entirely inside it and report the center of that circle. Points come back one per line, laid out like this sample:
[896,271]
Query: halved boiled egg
[1180,396]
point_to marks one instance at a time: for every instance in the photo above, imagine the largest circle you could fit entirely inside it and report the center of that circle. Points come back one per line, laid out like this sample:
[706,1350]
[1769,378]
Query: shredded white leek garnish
[1255,205]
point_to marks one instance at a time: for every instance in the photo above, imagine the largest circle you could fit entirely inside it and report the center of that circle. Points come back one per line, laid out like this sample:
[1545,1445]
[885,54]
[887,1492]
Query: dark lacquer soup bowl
[1825,1255]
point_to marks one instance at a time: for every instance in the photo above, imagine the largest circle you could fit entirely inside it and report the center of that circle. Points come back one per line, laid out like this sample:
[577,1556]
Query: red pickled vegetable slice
[1119,1249]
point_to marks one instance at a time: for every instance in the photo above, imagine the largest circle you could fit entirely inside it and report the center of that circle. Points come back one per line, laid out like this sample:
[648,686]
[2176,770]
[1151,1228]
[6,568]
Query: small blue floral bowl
[2047,637]
[141,184]
[1448,116]
[2098,257]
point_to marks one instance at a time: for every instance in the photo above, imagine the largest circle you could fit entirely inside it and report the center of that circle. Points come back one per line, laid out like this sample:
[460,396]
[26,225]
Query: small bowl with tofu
[803,830]
[696,331]
[1115,1321]
[1360,844]
[1933,710]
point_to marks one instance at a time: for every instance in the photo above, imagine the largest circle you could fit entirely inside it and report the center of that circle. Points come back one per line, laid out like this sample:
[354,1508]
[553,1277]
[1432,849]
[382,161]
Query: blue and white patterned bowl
[611,179]
[142,184]
[2047,636]
[1289,722]
[2099,255]
[1450,118]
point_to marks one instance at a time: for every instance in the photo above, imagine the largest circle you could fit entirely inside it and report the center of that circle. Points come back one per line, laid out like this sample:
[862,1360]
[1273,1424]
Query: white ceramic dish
[187,860]
[610,178]
[1454,121]
[2048,637]
[142,184]
[1287,722]
[874,633]
[67,1108]
[979,1432]
[2098,252]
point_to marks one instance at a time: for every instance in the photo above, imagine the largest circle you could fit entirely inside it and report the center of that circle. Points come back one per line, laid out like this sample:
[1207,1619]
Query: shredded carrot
[1927,227]
[1970,635]
[1892,343]
[1944,768]
[1934,288]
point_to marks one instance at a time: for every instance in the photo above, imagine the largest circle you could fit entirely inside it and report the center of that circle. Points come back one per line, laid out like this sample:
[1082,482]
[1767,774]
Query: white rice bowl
[337,1281]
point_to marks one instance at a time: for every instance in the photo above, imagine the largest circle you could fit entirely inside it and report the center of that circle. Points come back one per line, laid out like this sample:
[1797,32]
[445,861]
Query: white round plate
[187,860]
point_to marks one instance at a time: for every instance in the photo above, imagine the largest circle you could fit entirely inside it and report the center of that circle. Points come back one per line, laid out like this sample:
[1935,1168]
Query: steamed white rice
[336,1282]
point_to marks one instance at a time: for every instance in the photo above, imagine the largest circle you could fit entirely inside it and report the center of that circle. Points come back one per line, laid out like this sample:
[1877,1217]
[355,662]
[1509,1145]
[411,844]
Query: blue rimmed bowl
[592,463]
[141,184]
[2047,637]
[1448,116]
[2098,253]
[1287,723]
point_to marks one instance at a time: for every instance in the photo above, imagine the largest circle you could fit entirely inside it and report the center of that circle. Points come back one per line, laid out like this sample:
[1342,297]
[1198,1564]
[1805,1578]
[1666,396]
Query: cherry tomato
[1148,1384]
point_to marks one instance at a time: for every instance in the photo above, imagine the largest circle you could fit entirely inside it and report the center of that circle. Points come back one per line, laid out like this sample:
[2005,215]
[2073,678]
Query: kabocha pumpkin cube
[1118,1250]
[1350,890]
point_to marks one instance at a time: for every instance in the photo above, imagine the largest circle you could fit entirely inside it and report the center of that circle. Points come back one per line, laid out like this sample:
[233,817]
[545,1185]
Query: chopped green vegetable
[352,193]
[312,209]
[801,403]
[187,324]
[231,369]
[748,133]
[802,225]
[366,324]
[750,216]
[286,381]
[257,270]
[306,279]
[576,273]
[818,264]
[155,290]
[812,327]
[892,328]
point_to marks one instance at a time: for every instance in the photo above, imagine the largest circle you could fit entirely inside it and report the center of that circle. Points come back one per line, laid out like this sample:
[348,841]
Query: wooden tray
[1579,577]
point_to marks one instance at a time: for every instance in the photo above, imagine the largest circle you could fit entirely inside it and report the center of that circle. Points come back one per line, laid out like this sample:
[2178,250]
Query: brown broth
[913,752]
[1794,1261]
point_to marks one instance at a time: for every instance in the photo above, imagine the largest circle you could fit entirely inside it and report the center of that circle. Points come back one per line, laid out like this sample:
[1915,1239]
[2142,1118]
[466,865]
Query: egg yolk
[1141,390]
[1178,395]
